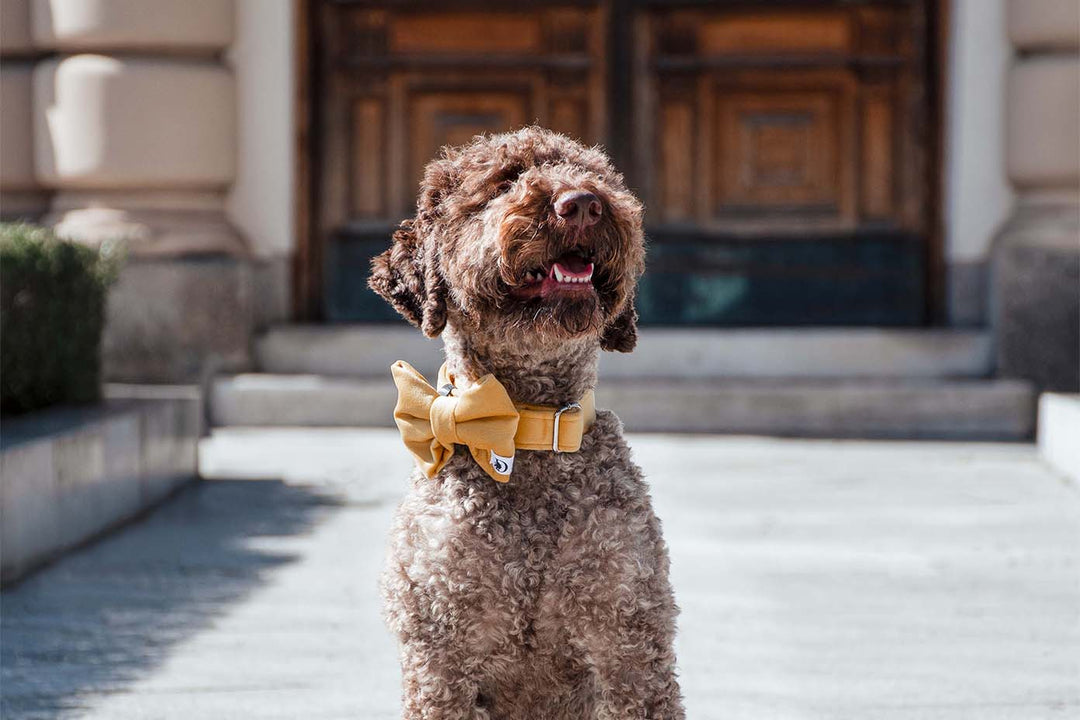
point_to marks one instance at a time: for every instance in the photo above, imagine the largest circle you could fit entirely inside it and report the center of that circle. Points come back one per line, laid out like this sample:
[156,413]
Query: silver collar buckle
[558,415]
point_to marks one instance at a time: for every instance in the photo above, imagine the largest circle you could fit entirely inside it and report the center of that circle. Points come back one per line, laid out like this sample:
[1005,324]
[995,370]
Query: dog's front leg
[621,615]
[633,667]
[436,685]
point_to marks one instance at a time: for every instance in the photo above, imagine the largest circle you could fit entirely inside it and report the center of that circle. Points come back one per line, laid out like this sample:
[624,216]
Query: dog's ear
[620,335]
[407,277]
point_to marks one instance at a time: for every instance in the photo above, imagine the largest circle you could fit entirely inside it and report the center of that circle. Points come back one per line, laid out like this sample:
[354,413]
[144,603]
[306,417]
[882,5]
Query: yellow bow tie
[483,417]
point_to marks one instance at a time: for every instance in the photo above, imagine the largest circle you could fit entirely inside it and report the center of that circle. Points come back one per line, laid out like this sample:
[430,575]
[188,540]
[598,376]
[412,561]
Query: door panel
[441,117]
[777,151]
[793,114]
[474,33]
[368,171]
[772,32]
[781,147]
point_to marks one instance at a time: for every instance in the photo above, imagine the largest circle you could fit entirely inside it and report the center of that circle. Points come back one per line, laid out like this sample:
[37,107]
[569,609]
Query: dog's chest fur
[511,570]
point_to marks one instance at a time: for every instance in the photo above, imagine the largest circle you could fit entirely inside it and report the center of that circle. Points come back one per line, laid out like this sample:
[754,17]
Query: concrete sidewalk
[817,579]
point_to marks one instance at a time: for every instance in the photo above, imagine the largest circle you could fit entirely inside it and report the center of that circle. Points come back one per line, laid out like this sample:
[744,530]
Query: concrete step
[302,400]
[920,408]
[818,353]
[909,409]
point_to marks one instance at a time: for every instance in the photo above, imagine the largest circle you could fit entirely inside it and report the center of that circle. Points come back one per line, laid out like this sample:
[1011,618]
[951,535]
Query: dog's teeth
[558,274]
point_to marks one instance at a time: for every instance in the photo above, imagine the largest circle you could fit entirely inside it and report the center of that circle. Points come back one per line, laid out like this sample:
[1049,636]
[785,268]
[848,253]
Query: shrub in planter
[52,312]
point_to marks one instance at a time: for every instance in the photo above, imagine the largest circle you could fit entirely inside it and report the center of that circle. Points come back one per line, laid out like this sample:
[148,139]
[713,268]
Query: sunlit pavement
[818,579]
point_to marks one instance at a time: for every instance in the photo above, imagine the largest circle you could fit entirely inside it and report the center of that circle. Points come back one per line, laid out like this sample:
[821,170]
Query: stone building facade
[1036,262]
[122,122]
[175,126]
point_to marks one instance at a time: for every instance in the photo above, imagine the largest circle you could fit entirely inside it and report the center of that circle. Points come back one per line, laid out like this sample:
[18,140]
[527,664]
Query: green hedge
[52,312]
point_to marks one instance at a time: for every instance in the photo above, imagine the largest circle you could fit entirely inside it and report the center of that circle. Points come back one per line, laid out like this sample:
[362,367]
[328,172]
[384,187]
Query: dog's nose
[579,207]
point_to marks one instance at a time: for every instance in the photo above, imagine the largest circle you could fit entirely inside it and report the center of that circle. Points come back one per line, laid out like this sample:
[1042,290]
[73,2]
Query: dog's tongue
[573,263]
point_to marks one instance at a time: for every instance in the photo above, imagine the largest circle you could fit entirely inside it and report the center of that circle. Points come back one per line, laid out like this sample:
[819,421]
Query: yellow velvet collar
[482,417]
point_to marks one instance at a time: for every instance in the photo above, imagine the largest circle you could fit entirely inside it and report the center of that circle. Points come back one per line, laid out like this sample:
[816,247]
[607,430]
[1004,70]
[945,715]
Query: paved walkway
[817,580]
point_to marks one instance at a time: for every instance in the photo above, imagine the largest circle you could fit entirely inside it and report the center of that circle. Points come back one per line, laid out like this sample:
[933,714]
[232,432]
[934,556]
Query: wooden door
[782,148]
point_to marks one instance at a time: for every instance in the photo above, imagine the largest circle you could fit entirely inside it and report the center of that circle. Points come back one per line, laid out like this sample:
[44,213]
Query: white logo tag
[500,464]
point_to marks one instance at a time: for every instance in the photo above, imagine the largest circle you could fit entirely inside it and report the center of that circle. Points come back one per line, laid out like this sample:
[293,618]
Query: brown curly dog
[547,596]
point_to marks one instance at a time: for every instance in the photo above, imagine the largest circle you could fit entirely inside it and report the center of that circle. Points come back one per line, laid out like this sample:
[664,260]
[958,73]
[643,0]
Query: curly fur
[548,596]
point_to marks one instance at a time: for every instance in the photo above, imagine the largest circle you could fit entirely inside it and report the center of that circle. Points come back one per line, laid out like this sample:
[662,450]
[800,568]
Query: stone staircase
[815,382]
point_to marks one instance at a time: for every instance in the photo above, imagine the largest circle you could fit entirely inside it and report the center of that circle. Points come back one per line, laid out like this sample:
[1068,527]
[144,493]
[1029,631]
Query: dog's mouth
[570,273]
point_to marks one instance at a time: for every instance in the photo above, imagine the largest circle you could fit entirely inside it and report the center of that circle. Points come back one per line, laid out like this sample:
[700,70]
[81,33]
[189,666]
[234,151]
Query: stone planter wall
[68,475]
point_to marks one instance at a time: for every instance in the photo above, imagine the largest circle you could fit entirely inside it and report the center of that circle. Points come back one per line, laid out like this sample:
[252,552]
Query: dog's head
[525,233]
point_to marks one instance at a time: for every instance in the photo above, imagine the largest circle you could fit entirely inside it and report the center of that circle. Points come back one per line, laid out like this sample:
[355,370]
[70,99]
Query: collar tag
[500,464]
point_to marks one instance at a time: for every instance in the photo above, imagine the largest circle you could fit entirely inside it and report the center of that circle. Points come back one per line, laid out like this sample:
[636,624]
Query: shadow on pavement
[98,620]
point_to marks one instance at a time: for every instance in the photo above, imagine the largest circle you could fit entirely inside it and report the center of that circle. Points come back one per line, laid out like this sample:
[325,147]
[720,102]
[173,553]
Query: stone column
[20,195]
[135,122]
[1036,293]
[134,129]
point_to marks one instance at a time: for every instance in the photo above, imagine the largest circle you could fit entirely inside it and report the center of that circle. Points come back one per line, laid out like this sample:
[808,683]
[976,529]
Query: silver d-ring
[558,414]
[446,389]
